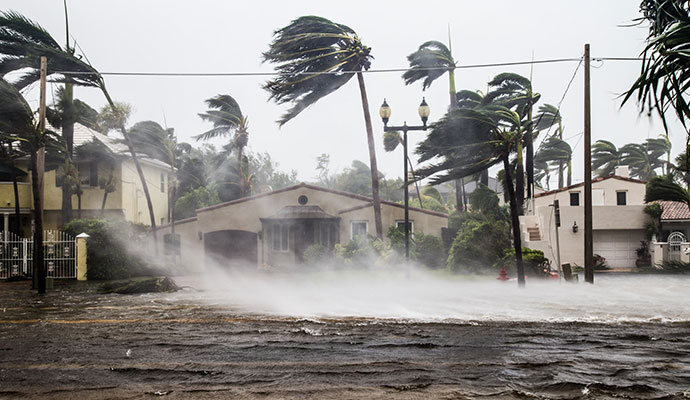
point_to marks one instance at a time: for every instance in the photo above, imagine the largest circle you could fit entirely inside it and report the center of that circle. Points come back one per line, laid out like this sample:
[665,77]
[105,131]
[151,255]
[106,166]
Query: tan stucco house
[275,228]
[126,202]
[618,221]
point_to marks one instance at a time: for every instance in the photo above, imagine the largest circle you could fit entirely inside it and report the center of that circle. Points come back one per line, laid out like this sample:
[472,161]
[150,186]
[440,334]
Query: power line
[372,71]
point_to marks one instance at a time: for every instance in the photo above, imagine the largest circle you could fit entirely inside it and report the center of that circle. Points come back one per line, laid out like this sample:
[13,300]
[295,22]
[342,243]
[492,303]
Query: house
[126,202]
[618,221]
[275,228]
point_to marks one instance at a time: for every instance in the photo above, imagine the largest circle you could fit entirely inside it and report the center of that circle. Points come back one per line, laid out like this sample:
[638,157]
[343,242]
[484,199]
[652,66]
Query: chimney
[622,171]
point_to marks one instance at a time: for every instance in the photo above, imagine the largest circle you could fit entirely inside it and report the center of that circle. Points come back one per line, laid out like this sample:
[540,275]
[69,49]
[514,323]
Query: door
[231,248]
[618,246]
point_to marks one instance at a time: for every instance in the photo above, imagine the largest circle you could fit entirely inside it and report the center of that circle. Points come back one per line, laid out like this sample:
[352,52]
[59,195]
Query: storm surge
[425,296]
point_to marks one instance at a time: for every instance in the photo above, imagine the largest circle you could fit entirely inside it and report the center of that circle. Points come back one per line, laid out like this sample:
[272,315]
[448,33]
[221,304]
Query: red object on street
[503,275]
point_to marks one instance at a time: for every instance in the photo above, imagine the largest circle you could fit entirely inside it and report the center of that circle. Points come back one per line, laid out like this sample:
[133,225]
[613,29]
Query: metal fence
[59,249]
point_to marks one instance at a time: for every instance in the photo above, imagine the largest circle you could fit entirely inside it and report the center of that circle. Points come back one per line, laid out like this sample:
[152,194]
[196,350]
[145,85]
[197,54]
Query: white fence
[59,249]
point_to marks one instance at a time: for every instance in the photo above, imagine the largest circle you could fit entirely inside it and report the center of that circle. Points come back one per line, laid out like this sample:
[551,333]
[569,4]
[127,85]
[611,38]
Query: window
[621,199]
[326,234]
[280,233]
[359,228]
[574,198]
[162,183]
[400,224]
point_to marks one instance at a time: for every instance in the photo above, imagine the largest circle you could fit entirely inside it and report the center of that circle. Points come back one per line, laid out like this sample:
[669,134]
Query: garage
[232,248]
[618,246]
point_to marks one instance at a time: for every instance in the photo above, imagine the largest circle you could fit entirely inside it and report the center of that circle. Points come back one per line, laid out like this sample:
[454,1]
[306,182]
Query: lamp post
[385,113]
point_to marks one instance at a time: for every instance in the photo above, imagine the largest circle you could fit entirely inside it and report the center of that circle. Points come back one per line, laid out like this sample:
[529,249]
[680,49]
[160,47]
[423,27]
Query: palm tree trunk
[561,167]
[416,184]
[459,195]
[39,270]
[239,171]
[68,119]
[142,178]
[529,161]
[372,157]
[105,191]
[570,172]
[515,222]
[520,179]
[17,212]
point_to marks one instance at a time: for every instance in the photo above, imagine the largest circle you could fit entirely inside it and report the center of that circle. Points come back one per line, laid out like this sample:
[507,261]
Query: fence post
[81,256]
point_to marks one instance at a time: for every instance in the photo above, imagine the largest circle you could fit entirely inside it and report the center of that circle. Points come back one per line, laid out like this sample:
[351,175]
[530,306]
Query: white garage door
[618,247]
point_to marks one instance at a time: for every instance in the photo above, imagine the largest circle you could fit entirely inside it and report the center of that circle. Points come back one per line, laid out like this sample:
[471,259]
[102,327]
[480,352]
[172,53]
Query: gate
[674,245]
[59,252]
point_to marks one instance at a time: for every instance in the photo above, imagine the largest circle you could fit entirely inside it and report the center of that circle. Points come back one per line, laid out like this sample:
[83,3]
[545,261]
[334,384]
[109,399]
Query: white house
[618,221]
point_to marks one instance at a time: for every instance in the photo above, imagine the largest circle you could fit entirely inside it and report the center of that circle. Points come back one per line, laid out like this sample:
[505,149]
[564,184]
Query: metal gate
[674,245]
[59,252]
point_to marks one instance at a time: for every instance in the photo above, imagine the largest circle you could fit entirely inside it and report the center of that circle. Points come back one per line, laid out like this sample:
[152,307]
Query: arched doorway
[231,248]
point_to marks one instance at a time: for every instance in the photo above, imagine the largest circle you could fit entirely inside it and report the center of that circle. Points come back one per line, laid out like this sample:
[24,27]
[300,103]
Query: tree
[548,116]
[314,58]
[605,158]
[8,154]
[268,176]
[16,117]
[431,60]
[663,79]
[225,114]
[664,188]
[149,138]
[466,141]
[555,152]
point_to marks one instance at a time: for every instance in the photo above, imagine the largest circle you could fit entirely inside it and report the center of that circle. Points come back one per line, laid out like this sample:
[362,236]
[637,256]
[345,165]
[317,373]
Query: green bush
[479,244]
[672,267]
[533,260]
[316,254]
[429,250]
[107,256]
[200,197]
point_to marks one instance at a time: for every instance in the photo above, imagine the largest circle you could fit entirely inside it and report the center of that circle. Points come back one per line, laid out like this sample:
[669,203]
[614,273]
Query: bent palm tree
[465,142]
[555,151]
[227,117]
[605,158]
[548,116]
[664,188]
[315,57]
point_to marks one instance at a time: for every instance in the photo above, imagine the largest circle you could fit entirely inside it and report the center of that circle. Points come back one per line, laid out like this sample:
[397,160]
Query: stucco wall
[191,246]
[7,195]
[132,194]
[422,222]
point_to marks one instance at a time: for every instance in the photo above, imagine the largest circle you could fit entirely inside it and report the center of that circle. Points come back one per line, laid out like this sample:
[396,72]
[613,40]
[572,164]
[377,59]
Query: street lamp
[385,113]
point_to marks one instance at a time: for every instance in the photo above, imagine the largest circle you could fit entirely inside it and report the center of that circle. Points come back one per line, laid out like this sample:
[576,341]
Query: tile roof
[674,211]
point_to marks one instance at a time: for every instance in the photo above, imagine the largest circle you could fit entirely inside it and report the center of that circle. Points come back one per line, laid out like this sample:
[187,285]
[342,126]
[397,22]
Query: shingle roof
[674,211]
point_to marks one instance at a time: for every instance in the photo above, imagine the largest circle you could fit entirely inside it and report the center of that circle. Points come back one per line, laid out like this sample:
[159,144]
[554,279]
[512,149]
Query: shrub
[673,267]
[600,263]
[533,260]
[108,257]
[429,250]
[479,244]
[316,254]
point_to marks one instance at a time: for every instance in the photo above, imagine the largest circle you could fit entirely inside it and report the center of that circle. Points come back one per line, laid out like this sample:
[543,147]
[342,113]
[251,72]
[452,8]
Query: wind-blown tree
[9,152]
[465,142]
[640,160]
[665,188]
[227,118]
[23,43]
[681,168]
[16,117]
[515,92]
[556,152]
[431,60]
[149,138]
[314,57]
[663,81]
[548,116]
[605,158]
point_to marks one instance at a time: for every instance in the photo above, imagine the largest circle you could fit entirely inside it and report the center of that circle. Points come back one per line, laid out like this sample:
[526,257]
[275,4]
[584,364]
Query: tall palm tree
[515,91]
[663,79]
[556,152]
[225,114]
[605,158]
[547,116]
[681,168]
[315,57]
[644,159]
[664,188]
[151,139]
[16,117]
[22,44]
[466,141]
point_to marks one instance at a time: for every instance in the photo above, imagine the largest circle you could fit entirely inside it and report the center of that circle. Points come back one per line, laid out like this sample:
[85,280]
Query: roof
[550,192]
[10,170]
[301,212]
[674,211]
[319,188]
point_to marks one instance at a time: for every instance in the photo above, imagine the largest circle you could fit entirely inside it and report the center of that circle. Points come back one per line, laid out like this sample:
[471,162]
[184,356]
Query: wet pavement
[77,343]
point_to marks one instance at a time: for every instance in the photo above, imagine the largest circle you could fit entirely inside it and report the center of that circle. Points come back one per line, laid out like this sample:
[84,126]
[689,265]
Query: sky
[224,36]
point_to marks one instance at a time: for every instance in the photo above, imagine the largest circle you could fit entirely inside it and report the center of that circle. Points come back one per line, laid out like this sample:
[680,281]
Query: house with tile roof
[276,228]
[127,202]
[618,220]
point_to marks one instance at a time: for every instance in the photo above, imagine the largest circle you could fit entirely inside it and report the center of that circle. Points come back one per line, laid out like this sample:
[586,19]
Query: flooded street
[78,343]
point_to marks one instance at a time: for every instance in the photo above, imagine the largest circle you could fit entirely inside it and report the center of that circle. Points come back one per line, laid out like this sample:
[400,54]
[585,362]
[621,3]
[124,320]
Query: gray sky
[222,36]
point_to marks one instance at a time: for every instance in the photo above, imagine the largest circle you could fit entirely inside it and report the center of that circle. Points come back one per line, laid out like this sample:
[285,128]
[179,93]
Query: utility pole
[39,270]
[557,214]
[589,242]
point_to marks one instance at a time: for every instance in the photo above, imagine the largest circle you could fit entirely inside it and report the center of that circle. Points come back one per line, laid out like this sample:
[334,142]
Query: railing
[59,250]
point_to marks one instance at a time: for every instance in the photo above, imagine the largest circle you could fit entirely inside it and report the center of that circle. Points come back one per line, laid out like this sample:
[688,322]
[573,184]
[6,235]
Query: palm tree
[605,158]
[16,117]
[664,188]
[314,58]
[515,91]
[467,141]
[227,117]
[161,144]
[644,159]
[663,79]
[556,152]
[548,116]
[8,153]
[681,168]
[22,44]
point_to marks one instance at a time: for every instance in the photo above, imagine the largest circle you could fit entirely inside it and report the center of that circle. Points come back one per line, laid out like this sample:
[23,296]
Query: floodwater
[359,335]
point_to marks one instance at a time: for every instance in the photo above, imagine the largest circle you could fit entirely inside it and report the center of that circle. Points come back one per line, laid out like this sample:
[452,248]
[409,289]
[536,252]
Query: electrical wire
[385,70]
